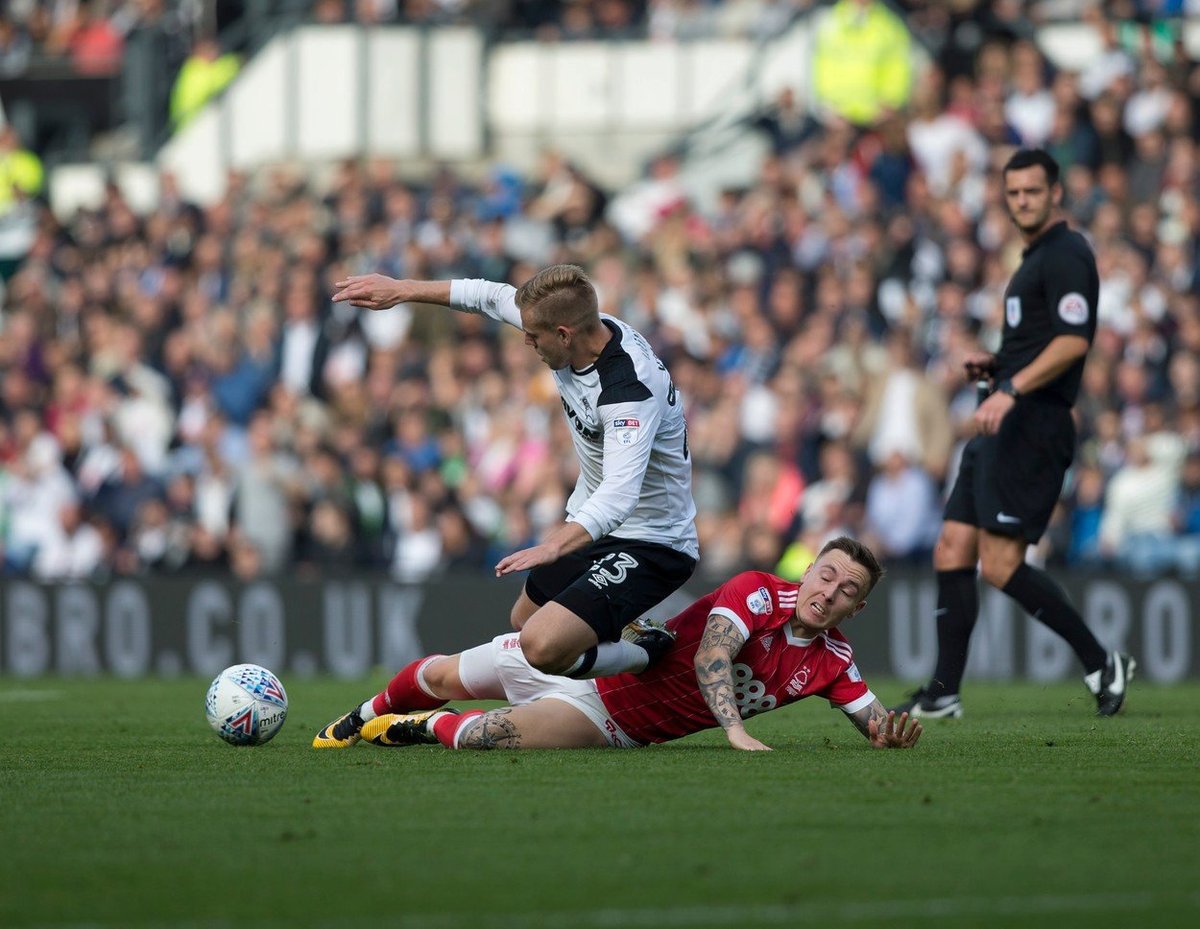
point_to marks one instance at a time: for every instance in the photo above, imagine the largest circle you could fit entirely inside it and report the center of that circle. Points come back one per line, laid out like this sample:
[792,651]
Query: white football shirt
[626,418]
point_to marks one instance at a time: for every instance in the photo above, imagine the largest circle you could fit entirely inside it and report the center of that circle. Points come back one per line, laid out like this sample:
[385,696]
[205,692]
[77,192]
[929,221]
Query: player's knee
[519,615]
[957,547]
[949,556]
[438,675]
[996,570]
[544,654]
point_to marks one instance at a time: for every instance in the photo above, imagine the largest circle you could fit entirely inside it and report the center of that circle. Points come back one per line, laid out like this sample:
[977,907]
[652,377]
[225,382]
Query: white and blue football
[246,705]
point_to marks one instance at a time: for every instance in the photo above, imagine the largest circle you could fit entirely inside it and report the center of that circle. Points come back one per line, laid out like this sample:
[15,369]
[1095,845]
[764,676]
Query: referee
[1012,471]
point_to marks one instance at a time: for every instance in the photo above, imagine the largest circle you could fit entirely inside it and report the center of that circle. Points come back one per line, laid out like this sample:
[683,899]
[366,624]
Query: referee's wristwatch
[1006,387]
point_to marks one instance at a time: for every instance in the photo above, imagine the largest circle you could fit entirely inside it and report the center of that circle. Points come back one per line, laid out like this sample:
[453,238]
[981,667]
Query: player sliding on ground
[755,643]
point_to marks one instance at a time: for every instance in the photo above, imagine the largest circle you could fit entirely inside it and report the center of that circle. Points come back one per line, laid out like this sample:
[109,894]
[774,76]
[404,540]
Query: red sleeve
[848,691]
[749,600]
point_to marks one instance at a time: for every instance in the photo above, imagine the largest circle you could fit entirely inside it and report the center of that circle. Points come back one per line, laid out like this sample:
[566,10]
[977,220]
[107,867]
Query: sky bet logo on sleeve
[627,430]
[759,602]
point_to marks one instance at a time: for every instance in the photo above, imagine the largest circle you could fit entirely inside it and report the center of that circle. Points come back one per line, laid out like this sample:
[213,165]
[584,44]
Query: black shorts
[1008,483]
[611,582]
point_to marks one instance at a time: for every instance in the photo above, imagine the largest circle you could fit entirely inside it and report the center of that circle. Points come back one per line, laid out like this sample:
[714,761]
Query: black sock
[1045,601]
[958,608]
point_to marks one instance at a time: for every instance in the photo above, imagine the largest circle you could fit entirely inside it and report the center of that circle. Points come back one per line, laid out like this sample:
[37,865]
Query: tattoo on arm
[491,730]
[862,719]
[714,668]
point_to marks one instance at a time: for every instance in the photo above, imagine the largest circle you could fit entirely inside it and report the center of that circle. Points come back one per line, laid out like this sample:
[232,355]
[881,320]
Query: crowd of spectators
[90,35]
[177,392]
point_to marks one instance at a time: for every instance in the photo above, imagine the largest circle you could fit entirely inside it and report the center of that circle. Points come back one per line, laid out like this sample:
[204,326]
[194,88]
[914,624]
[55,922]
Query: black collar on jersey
[610,346]
[1053,232]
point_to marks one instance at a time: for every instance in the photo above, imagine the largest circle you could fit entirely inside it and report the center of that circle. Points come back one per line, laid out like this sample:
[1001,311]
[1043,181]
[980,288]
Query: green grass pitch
[119,809]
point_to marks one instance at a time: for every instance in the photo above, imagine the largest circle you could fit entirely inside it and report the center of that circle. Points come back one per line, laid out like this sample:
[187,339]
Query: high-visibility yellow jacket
[20,169]
[200,79]
[861,61]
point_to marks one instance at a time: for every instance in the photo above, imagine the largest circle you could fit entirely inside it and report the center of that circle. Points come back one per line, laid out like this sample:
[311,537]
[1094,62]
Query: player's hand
[742,740]
[527,558]
[979,365]
[991,413]
[372,291]
[894,733]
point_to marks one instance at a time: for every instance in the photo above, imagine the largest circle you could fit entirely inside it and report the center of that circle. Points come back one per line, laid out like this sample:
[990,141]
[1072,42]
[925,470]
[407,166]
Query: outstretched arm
[484,298]
[378,292]
[719,645]
[883,729]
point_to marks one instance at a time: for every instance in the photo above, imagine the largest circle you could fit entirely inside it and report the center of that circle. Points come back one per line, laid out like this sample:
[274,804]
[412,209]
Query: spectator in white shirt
[939,140]
[1030,107]
[1137,527]
[1147,108]
[902,513]
[36,495]
[72,549]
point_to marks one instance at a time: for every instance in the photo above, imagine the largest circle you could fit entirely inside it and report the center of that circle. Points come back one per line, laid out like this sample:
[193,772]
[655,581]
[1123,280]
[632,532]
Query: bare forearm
[437,292]
[379,292]
[883,729]
[567,537]
[721,641]
[720,644]
[862,719]
[714,675]
[1062,352]
[561,540]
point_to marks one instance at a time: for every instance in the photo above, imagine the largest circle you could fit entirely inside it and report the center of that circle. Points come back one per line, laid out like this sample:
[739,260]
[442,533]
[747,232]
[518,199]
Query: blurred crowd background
[178,393]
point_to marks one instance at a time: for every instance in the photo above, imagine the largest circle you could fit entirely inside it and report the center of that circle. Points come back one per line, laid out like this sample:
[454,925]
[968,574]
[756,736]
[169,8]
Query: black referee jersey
[1054,292]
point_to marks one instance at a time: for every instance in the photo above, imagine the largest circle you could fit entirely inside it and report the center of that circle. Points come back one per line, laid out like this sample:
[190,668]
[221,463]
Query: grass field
[120,808]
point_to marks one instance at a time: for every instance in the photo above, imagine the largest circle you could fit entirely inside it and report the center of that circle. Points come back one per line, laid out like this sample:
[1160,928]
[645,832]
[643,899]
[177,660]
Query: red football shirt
[775,666]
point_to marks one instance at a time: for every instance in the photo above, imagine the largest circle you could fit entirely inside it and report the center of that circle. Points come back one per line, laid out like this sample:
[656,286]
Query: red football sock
[405,692]
[447,726]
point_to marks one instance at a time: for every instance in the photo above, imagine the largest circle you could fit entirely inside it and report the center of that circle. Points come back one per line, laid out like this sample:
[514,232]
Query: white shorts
[524,684]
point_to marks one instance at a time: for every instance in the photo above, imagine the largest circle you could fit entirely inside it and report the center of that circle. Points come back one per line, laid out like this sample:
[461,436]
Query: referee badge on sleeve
[1012,312]
[1073,309]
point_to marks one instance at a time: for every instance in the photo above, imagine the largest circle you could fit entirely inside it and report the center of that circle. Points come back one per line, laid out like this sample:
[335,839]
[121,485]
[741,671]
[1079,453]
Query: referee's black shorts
[1008,483]
[611,582]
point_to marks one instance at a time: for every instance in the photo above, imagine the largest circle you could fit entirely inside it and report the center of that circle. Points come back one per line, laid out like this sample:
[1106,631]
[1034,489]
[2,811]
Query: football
[246,705]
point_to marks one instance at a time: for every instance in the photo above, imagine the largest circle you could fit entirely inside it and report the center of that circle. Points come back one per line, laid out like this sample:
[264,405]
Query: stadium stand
[177,392]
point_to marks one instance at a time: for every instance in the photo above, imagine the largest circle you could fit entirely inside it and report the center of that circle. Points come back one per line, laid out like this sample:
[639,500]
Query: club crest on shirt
[1073,309]
[1012,311]
[759,602]
[799,680]
[627,430]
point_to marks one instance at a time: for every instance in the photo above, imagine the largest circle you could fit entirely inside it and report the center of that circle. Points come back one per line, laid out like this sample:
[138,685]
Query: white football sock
[611,658]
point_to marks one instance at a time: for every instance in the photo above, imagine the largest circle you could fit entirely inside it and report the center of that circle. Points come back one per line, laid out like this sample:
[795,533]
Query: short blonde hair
[561,295]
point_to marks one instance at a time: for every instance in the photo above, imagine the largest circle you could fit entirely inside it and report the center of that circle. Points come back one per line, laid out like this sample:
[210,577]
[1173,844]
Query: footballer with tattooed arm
[755,643]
